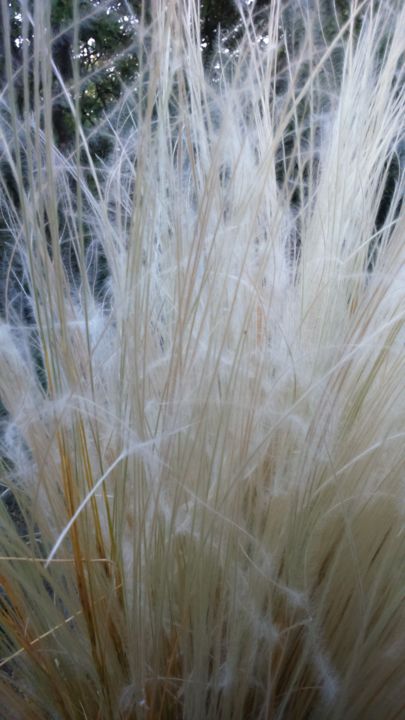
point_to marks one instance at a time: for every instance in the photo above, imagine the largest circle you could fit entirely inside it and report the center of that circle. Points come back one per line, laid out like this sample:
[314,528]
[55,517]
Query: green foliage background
[107,59]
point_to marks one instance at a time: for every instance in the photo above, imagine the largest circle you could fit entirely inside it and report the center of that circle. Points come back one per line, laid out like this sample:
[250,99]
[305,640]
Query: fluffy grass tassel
[202,373]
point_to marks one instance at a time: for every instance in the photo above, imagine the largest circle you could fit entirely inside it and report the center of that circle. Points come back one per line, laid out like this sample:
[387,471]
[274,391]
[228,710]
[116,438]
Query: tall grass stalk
[202,375]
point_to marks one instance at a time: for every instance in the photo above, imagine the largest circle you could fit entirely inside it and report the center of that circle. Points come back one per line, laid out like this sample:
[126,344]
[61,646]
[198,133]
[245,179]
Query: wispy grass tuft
[202,376]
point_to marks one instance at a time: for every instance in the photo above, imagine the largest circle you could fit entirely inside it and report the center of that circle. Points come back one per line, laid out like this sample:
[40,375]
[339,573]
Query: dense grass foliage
[202,376]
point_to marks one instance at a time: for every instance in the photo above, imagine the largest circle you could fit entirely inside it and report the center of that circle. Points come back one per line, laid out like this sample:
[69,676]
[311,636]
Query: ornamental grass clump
[202,373]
